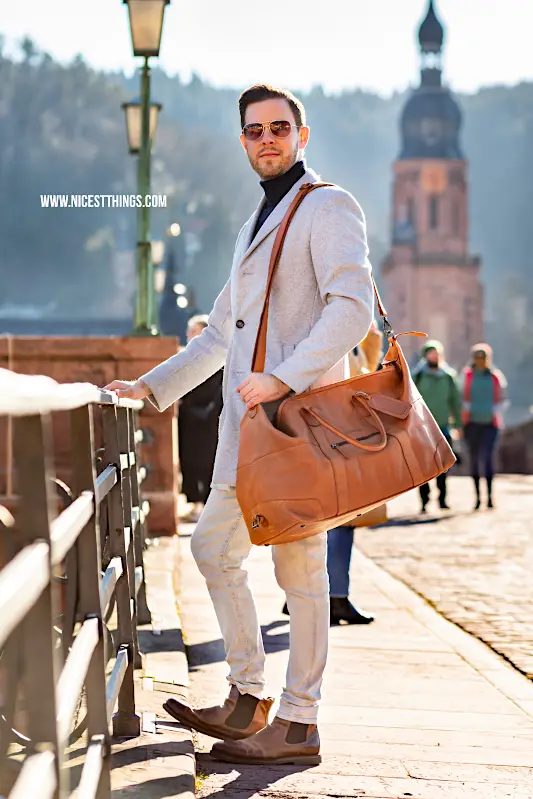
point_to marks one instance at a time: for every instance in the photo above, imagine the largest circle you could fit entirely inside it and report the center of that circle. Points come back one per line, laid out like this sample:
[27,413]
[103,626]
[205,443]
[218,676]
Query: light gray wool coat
[321,306]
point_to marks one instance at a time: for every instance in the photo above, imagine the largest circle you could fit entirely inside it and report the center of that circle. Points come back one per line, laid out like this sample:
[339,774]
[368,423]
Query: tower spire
[431,32]
[431,38]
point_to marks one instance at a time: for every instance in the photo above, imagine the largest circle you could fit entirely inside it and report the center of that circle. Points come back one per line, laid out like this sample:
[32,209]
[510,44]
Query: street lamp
[133,112]
[146,24]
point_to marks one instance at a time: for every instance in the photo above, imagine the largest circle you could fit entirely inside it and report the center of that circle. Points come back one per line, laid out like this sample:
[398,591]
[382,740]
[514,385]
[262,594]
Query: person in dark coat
[198,432]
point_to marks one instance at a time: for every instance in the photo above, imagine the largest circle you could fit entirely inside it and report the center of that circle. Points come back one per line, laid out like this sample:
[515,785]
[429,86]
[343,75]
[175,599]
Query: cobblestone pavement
[411,705]
[476,568]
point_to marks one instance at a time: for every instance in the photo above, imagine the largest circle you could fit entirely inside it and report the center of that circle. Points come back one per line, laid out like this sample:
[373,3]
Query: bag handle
[259,356]
[362,398]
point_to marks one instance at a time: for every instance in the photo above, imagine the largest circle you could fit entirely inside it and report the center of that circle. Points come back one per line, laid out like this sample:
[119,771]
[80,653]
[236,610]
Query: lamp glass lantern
[146,25]
[133,111]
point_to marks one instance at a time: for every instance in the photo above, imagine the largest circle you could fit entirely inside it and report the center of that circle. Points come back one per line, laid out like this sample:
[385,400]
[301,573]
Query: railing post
[143,611]
[33,459]
[126,723]
[124,425]
[89,578]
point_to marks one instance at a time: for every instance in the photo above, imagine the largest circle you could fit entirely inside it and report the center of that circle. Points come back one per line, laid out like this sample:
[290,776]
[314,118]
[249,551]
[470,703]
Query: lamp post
[146,24]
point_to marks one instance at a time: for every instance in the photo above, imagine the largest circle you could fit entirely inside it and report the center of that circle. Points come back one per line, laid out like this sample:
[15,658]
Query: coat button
[239,323]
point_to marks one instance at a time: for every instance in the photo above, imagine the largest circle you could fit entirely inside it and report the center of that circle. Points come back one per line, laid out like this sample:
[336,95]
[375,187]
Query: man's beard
[278,167]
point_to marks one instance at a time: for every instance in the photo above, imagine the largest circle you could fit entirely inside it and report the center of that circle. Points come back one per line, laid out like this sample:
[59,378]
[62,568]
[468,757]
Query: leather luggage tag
[389,406]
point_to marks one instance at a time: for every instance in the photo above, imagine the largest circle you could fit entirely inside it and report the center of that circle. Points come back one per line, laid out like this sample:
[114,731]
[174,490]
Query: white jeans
[220,545]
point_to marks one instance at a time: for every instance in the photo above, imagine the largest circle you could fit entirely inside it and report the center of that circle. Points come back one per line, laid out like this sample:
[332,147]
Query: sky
[340,44]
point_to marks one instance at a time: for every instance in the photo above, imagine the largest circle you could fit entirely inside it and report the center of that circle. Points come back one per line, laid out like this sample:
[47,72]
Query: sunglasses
[280,128]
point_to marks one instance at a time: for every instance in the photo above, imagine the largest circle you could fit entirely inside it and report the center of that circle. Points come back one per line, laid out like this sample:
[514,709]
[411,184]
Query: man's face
[271,155]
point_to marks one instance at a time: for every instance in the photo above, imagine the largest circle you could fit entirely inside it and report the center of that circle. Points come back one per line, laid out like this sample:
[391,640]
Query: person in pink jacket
[484,397]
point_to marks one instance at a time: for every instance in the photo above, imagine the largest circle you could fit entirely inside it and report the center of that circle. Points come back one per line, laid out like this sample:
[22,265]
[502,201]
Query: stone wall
[99,361]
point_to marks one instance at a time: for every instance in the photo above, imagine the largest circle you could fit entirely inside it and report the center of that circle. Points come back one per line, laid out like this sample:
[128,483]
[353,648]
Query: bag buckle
[387,328]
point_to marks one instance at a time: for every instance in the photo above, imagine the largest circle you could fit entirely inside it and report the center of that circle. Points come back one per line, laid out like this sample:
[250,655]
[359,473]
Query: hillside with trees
[62,131]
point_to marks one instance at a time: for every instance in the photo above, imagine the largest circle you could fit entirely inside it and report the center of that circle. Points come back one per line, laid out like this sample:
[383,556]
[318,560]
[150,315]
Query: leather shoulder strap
[259,356]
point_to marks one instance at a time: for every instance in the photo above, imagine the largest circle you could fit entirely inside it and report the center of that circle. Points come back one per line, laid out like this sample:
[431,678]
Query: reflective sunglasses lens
[253,132]
[281,128]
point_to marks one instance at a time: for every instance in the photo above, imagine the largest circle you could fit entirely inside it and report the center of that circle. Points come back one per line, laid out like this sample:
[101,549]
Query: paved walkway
[475,567]
[413,706]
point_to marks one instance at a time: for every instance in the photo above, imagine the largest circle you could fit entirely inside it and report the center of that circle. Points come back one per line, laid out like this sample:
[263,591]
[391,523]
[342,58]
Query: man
[437,383]
[321,306]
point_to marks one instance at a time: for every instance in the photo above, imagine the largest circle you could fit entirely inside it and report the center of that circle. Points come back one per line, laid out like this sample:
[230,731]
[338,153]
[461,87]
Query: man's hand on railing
[129,389]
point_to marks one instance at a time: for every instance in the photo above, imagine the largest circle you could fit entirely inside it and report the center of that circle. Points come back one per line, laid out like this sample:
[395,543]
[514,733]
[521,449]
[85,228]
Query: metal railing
[105,514]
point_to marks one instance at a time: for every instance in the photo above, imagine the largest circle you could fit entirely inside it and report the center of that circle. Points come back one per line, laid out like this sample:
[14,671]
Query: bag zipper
[362,438]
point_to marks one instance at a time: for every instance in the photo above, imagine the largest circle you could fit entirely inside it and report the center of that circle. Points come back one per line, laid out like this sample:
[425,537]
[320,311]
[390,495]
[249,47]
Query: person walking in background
[438,385]
[484,397]
[362,359]
[198,432]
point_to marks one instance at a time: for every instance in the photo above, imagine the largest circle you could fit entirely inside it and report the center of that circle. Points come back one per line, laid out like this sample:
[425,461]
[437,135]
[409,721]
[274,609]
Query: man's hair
[201,319]
[262,91]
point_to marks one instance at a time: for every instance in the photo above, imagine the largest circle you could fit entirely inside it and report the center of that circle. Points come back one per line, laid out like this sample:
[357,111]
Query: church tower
[431,282]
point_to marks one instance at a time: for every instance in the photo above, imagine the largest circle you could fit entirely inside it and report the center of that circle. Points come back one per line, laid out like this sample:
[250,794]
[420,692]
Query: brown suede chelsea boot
[281,743]
[240,716]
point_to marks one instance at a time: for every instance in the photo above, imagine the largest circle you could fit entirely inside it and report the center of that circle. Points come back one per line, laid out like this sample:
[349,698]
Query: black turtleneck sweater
[275,190]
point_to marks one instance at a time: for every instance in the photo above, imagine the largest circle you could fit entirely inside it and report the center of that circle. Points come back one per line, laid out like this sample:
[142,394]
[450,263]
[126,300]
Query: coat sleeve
[200,359]
[339,253]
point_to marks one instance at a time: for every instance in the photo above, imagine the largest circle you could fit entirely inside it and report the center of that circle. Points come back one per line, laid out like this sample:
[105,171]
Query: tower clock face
[431,131]
[434,179]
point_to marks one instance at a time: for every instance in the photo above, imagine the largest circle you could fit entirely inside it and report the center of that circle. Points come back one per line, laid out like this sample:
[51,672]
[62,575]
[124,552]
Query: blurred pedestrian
[198,432]
[484,395]
[362,359]
[437,383]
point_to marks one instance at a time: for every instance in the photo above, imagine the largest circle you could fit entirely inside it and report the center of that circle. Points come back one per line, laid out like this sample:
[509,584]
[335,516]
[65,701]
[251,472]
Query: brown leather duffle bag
[330,454]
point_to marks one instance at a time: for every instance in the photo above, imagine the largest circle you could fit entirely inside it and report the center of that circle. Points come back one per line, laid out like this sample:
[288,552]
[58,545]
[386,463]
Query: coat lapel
[275,218]
[246,242]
